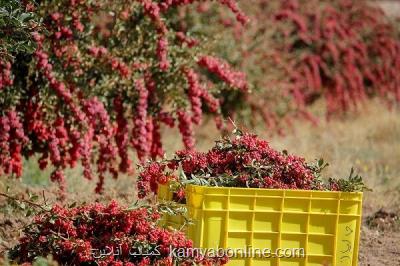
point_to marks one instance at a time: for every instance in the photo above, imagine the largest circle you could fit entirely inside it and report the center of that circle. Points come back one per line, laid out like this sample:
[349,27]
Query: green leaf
[29,213]
[34,197]
[25,17]
[52,220]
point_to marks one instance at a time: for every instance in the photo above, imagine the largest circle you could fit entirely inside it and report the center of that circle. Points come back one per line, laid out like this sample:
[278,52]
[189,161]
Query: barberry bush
[113,234]
[296,52]
[242,161]
[345,51]
[101,77]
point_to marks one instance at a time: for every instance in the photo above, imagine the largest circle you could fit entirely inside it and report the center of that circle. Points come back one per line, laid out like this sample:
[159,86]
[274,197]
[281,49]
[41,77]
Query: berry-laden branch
[29,202]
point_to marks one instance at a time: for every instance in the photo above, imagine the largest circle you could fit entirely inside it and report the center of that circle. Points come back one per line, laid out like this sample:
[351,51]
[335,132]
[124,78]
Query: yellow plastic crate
[325,224]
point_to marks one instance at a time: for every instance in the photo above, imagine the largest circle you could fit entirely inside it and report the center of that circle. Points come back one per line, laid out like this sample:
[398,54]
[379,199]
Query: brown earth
[379,248]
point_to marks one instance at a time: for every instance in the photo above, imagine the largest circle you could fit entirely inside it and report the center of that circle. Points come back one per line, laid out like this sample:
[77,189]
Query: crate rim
[274,189]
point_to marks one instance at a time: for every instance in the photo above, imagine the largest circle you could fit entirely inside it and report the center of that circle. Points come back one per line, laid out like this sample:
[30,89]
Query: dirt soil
[379,248]
[380,238]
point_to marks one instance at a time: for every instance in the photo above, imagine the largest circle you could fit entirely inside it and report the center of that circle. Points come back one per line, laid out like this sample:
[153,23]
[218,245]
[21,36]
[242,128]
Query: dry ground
[369,141]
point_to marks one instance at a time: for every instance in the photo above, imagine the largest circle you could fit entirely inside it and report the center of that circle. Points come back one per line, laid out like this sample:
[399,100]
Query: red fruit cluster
[162,53]
[80,235]
[222,70]
[140,121]
[211,102]
[245,161]
[12,140]
[5,74]
[122,136]
[104,132]
[194,94]
[150,177]
[186,129]
[103,79]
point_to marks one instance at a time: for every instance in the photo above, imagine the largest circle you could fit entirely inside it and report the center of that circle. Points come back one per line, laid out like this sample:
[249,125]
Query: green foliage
[16,26]
[354,183]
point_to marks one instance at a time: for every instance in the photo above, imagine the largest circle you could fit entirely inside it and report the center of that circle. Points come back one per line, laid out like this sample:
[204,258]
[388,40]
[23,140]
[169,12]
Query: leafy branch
[354,183]
[28,206]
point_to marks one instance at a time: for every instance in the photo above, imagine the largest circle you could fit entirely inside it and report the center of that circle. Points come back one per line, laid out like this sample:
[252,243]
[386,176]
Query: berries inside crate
[325,224]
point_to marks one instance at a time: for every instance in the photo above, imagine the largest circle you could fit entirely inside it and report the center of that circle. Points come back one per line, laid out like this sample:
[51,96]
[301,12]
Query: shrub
[103,77]
[345,51]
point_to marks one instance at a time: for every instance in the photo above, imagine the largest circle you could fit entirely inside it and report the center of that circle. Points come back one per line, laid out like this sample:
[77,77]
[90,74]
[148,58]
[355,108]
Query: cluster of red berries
[194,94]
[114,235]
[223,70]
[12,141]
[103,79]
[140,122]
[244,161]
[5,74]
[186,129]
